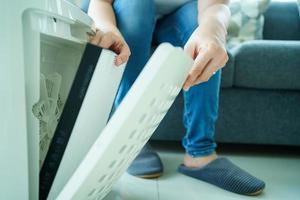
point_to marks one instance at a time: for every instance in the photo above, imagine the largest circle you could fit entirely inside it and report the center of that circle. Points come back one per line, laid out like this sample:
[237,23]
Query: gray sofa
[260,95]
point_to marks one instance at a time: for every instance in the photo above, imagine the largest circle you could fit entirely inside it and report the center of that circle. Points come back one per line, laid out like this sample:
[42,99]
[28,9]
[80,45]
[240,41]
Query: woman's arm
[205,6]
[214,15]
[102,13]
[207,44]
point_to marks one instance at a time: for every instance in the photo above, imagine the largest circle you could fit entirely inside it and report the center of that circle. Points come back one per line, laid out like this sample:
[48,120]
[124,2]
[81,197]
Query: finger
[192,78]
[211,68]
[190,50]
[187,84]
[201,61]
[124,55]
[95,39]
[107,41]
[90,36]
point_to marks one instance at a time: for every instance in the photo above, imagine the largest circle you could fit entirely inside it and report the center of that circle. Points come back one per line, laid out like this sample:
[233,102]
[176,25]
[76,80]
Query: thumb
[190,50]
[123,55]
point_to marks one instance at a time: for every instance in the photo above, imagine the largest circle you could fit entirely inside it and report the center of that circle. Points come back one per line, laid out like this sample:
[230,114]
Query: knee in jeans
[135,19]
[189,11]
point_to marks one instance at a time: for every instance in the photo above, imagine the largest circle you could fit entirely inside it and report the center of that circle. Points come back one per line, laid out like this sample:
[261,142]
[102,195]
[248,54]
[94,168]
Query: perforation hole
[112,164]
[121,162]
[105,190]
[152,103]
[100,190]
[132,134]
[168,89]
[110,177]
[117,175]
[161,106]
[92,192]
[143,117]
[100,197]
[174,91]
[138,136]
[120,171]
[101,178]
[122,149]
[152,120]
[133,148]
[130,148]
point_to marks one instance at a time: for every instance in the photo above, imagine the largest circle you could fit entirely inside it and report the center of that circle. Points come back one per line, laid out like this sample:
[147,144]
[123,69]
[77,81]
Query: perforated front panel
[91,119]
[131,126]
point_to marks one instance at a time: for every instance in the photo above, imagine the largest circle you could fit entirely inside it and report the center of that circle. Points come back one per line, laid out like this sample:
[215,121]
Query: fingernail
[118,61]
[186,88]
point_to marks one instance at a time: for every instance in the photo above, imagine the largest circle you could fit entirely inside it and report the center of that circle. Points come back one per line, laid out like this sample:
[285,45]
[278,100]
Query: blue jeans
[136,19]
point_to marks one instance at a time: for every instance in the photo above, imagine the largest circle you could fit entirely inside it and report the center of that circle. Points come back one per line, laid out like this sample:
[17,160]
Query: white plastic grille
[131,126]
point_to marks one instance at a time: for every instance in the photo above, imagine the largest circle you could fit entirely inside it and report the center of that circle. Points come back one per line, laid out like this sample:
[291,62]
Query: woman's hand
[207,44]
[209,56]
[114,42]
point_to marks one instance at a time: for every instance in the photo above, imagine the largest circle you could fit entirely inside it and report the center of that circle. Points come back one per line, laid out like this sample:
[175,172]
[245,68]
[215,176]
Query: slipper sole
[150,176]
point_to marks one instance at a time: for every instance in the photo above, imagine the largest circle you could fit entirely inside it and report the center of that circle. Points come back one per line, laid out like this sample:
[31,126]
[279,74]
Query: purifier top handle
[51,23]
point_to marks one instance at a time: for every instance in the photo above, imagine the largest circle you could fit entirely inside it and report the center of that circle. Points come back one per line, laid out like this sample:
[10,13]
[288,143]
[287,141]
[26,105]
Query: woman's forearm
[102,13]
[214,16]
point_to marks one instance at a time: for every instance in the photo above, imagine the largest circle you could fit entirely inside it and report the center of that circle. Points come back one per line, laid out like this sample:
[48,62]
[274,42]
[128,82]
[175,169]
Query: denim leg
[136,21]
[201,101]
[84,5]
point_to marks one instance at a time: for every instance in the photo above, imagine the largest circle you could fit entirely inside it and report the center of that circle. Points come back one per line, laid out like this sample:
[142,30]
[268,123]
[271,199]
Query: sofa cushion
[247,21]
[299,9]
[282,21]
[268,65]
[245,116]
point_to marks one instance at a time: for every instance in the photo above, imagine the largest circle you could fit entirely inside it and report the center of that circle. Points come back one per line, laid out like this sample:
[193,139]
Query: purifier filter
[89,88]
[68,118]
[48,110]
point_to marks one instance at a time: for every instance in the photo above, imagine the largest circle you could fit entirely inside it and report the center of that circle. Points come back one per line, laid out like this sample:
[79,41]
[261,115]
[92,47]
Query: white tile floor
[278,167]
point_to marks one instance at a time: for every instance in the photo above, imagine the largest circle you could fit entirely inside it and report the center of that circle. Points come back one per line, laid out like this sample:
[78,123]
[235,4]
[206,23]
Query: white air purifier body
[42,42]
[45,43]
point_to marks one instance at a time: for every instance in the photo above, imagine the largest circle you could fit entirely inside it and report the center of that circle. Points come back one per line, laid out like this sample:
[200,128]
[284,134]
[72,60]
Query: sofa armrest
[267,65]
[228,72]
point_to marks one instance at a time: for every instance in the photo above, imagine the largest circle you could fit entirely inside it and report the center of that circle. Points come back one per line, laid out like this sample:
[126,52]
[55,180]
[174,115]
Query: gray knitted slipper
[147,164]
[224,174]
